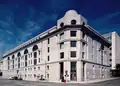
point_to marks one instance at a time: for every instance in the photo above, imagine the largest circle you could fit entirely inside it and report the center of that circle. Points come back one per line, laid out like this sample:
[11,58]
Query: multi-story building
[114,38]
[1,67]
[71,49]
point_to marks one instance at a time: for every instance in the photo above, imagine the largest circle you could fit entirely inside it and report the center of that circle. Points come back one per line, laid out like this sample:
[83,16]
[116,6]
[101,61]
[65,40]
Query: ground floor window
[73,71]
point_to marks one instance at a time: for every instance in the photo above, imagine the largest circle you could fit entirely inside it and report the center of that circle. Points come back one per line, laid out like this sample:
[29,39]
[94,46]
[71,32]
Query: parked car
[20,78]
[13,78]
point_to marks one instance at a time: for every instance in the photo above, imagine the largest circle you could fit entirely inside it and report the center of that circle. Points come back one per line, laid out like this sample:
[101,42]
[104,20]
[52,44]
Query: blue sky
[21,20]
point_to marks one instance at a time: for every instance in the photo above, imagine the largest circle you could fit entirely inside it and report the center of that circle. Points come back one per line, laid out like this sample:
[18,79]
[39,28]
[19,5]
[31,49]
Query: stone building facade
[71,49]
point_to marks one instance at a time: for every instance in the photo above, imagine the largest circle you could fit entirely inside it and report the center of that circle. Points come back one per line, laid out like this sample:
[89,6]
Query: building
[114,38]
[71,49]
[1,67]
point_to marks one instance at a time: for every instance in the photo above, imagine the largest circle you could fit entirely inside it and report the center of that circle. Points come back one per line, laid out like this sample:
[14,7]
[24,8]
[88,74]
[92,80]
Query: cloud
[106,23]
[11,35]
[105,19]
[9,32]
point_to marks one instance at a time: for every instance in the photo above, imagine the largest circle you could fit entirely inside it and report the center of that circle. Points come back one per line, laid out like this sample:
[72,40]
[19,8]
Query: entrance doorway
[61,70]
[73,75]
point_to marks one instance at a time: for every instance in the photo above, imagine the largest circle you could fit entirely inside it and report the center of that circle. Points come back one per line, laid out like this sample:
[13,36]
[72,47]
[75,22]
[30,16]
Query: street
[4,82]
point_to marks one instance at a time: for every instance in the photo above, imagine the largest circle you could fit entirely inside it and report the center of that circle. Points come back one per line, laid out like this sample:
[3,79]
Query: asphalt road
[4,82]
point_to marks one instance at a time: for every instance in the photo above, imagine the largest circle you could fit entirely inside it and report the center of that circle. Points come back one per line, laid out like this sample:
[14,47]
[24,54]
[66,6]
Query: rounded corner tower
[71,17]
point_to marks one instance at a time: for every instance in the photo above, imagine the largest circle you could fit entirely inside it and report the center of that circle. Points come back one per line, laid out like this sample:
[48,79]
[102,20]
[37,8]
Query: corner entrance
[73,75]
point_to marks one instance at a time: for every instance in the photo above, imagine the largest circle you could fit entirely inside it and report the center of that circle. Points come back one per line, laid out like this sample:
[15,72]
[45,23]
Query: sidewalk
[97,81]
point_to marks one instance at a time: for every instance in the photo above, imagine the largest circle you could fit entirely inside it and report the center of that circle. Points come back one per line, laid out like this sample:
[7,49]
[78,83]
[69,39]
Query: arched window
[73,22]
[26,51]
[13,56]
[35,47]
[19,54]
[61,24]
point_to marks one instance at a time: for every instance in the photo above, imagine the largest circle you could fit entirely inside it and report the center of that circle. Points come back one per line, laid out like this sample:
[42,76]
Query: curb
[98,81]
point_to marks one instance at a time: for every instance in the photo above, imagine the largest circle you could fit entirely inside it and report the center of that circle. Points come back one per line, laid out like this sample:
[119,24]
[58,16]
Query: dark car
[15,78]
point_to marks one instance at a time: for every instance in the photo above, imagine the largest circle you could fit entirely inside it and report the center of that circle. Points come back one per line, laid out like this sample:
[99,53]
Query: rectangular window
[48,67]
[35,61]
[35,54]
[39,52]
[47,75]
[73,33]
[48,41]
[73,43]
[34,68]
[25,64]
[29,62]
[38,68]
[18,65]
[62,45]
[48,49]
[25,57]
[48,58]
[39,60]
[73,54]
[62,36]
[62,55]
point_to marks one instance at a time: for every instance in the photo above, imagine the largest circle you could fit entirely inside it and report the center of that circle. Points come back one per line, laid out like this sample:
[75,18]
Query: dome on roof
[71,13]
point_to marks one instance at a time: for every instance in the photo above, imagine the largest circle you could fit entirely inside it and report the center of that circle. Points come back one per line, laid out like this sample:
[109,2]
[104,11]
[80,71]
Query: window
[34,75]
[47,67]
[34,68]
[31,54]
[25,57]
[48,41]
[29,62]
[38,68]
[48,58]
[110,60]
[73,22]
[47,75]
[39,52]
[8,58]
[39,60]
[62,45]
[62,55]
[35,54]
[73,43]
[110,54]
[48,49]
[73,53]
[62,36]
[35,61]
[73,33]
[83,53]
[25,64]
[61,24]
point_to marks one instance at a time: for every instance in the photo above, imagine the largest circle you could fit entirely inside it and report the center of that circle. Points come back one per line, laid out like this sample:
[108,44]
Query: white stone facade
[71,49]
[114,38]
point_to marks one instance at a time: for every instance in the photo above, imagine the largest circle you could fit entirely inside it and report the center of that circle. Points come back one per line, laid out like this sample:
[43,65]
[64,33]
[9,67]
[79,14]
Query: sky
[20,20]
